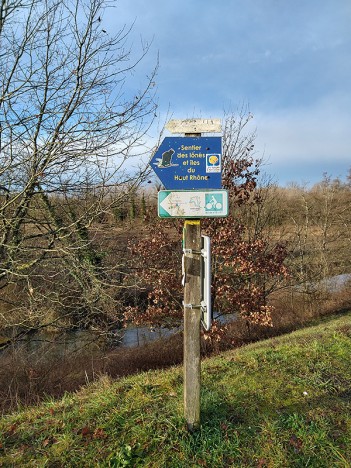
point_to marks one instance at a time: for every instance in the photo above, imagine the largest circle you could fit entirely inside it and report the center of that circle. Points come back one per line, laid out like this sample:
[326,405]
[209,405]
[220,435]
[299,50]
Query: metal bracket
[191,252]
[204,253]
[192,306]
[183,271]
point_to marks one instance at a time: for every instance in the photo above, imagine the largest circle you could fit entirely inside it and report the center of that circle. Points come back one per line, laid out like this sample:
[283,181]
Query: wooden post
[192,322]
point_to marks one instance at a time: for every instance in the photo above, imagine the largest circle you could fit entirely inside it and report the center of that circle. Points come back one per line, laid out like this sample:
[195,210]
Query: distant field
[279,403]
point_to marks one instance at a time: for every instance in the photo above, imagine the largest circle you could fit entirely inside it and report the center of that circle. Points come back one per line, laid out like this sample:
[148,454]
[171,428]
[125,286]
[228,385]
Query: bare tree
[326,233]
[68,129]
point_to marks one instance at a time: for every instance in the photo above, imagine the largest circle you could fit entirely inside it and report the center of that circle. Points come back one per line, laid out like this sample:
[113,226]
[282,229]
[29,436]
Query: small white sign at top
[195,126]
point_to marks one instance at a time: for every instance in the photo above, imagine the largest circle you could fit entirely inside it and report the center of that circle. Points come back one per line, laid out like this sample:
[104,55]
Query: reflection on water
[73,341]
[335,284]
[139,336]
[79,340]
[82,340]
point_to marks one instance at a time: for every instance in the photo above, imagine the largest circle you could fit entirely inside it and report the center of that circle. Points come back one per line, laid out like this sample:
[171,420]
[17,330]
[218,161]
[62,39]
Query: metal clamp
[192,306]
[191,252]
[204,253]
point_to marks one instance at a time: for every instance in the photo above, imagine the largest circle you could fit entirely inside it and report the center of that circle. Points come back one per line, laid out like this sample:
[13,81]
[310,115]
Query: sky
[288,61]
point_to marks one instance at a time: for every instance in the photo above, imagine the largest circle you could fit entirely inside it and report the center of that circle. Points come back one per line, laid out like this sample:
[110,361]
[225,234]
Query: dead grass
[27,378]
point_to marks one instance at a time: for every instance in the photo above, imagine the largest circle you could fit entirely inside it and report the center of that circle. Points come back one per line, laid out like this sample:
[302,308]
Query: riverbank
[30,373]
[281,402]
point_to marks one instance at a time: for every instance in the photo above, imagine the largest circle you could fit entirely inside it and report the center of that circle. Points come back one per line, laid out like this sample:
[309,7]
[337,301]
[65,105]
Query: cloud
[306,142]
[289,60]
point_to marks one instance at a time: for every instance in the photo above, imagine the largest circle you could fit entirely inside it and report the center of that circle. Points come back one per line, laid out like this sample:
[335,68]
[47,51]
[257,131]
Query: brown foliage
[244,269]
[156,262]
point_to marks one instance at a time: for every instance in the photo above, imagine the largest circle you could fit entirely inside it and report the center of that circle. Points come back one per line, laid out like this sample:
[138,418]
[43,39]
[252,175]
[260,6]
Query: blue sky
[290,62]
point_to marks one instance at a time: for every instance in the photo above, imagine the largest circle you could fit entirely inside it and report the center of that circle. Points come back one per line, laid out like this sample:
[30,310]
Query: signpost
[190,168]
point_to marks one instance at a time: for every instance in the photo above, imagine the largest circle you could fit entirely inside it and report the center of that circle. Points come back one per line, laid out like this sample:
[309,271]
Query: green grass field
[284,402]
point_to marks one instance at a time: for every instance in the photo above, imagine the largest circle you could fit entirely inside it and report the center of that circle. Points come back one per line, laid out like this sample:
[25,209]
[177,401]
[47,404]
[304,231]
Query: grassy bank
[282,402]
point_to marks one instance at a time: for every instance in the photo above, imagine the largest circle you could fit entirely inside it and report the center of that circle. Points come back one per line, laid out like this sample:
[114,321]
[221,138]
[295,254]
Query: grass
[284,402]
[26,377]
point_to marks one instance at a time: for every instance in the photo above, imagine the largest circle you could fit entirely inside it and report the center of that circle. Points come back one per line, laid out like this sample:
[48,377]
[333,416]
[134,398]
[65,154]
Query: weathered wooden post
[192,321]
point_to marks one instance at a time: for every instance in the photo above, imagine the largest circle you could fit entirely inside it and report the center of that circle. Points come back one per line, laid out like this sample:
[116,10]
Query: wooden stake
[192,322]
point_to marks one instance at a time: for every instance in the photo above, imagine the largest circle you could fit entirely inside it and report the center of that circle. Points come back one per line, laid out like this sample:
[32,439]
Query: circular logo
[213,159]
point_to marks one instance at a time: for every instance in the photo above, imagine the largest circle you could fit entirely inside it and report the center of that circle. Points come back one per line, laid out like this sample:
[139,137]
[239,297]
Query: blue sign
[183,163]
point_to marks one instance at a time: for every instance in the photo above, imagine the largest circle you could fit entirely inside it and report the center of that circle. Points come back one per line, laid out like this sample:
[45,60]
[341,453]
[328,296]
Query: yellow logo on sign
[213,159]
